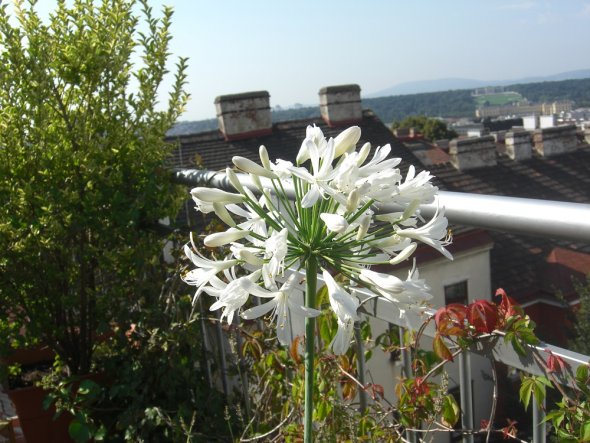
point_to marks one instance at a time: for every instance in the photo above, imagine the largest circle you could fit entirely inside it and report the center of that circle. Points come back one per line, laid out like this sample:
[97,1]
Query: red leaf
[375,391]
[441,349]
[483,316]
[450,320]
[509,431]
[555,363]
[508,306]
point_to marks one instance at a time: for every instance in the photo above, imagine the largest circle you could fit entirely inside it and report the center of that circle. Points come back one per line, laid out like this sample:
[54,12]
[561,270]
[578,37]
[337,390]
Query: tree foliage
[430,128]
[82,161]
[581,318]
[432,104]
[576,90]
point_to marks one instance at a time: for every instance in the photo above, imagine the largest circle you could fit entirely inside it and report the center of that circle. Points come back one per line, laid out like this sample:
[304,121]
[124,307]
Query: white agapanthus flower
[316,215]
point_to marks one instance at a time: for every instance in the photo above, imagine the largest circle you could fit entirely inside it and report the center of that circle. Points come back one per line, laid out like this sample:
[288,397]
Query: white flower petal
[312,196]
[343,304]
[260,310]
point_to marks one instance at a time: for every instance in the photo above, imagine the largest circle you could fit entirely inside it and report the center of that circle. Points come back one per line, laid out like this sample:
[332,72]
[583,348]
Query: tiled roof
[519,263]
[215,152]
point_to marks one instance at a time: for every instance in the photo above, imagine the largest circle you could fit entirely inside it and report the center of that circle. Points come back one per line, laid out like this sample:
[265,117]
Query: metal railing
[546,218]
[570,221]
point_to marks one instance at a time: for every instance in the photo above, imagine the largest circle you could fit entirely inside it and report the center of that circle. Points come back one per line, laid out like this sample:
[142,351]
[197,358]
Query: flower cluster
[321,211]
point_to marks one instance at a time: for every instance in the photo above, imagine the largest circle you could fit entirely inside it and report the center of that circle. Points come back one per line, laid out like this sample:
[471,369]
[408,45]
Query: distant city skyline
[292,49]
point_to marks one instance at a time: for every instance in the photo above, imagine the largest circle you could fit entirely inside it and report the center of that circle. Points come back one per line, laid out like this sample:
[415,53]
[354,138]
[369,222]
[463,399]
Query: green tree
[82,162]
[430,128]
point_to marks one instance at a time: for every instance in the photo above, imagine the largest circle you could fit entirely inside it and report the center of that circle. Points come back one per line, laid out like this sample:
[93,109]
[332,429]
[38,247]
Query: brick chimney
[246,115]
[554,141]
[471,153]
[518,145]
[341,105]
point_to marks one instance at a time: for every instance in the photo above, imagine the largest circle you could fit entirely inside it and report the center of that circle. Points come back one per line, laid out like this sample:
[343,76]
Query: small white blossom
[205,271]
[413,291]
[288,311]
[233,295]
[275,252]
[344,306]
[434,233]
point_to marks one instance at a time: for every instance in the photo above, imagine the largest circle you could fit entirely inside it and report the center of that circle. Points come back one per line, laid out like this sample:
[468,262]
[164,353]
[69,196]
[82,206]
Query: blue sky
[292,49]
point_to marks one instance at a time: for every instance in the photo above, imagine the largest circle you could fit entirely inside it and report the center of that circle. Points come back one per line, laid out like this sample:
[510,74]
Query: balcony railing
[570,221]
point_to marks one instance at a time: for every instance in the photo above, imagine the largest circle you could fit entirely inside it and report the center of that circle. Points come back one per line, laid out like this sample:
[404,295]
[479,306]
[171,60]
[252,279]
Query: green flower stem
[311,275]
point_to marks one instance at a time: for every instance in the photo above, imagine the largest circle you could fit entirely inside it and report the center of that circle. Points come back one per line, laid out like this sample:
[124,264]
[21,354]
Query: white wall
[473,266]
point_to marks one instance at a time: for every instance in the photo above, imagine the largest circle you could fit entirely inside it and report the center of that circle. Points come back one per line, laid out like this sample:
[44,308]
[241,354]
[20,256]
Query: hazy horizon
[293,49]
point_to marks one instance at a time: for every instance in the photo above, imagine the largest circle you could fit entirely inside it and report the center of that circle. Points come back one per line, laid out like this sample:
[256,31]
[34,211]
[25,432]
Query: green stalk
[311,275]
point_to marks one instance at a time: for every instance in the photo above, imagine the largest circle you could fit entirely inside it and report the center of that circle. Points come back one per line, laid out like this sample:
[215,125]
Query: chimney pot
[244,115]
[556,140]
[518,145]
[341,105]
[471,153]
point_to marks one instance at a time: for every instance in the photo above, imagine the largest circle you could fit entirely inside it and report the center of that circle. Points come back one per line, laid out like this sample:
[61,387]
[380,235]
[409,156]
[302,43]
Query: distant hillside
[432,104]
[575,90]
[461,104]
[447,84]
[458,103]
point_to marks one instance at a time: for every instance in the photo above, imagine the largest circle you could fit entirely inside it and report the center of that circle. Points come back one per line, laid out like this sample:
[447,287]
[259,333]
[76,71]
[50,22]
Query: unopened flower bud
[223,238]
[223,214]
[334,222]
[346,140]
[234,180]
[404,254]
[212,195]
[364,223]
[249,166]
[352,202]
[264,157]
[363,153]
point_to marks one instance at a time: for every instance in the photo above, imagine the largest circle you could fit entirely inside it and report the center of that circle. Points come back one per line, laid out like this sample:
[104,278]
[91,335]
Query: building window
[456,293]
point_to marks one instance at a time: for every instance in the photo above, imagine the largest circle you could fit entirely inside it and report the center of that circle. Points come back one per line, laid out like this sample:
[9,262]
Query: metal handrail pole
[466,395]
[360,357]
[539,427]
[545,218]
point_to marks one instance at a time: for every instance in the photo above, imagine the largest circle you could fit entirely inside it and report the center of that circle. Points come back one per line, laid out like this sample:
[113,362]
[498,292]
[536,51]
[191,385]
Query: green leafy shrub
[82,161]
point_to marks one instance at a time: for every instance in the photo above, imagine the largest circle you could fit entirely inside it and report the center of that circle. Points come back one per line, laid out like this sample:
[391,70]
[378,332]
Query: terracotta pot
[37,423]
[30,356]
